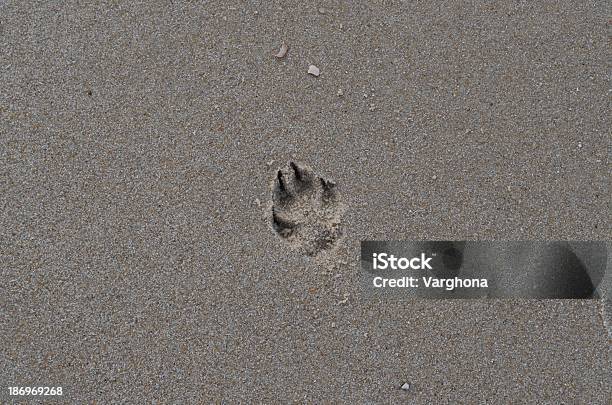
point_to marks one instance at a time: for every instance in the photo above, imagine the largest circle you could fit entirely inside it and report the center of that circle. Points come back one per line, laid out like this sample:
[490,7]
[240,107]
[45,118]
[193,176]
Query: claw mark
[281,181]
[282,185]
[297,171]
[327,185]
[303,178]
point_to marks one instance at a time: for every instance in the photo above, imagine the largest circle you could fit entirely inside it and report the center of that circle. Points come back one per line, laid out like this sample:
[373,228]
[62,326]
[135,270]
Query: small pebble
[282,51]
[434,177]
[258,202]
[340,93]
[313,70]
[406,387]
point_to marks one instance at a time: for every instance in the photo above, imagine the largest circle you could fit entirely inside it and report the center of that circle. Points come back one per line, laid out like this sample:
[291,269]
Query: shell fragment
[313,70]
[282,51]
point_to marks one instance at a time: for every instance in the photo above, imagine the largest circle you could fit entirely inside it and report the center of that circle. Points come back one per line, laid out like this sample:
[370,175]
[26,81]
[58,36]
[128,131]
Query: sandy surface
[138,145]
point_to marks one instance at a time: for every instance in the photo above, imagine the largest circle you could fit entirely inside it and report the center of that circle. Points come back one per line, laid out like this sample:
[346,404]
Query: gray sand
[136,263]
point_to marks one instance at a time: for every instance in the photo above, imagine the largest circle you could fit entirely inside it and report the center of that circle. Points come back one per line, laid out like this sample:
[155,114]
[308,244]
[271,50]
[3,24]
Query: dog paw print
[305,209]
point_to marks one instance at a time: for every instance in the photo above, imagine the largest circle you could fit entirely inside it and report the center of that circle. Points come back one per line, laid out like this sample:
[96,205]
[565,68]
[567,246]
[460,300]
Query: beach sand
[138,148]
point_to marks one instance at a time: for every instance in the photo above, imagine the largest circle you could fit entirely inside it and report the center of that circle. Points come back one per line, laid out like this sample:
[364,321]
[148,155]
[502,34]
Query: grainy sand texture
[140,151]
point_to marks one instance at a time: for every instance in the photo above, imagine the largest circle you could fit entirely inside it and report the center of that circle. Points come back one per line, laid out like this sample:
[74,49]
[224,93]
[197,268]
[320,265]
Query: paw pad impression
[305,209]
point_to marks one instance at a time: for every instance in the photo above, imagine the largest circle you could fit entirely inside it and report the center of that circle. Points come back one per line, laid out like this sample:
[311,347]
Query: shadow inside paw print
[306,209]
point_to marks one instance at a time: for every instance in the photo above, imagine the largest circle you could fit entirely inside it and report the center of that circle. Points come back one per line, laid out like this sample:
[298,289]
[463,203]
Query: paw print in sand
[305,209]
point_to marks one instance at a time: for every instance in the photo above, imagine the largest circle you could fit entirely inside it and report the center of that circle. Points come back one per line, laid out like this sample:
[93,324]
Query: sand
[138,145]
